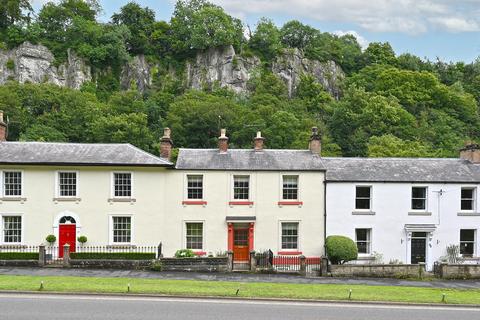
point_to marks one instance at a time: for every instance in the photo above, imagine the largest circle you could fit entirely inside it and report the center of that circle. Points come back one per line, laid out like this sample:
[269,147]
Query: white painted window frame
[474,207]
[57,184]
[132,229]
[184,234]
[370,241]
[299,194]
[232,185]
[426,197]
[355,197]
[12,214]
[299,237]
[475,238]
[112,185]
[185,185]
[2,183]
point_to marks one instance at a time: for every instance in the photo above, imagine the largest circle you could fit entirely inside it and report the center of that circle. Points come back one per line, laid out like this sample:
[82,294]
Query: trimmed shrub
[112,256]
[184,253]
[82,239]
[341,249]
[18,256]
[51,238]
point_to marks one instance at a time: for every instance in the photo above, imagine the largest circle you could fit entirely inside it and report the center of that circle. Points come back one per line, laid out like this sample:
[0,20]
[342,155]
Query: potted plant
[51,239]
[82,240]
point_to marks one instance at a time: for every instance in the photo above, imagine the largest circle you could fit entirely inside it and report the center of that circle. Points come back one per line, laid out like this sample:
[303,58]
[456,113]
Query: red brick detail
[230,237]
[250,237]
[290,203]
[289,253]
[240,203]
[194,202]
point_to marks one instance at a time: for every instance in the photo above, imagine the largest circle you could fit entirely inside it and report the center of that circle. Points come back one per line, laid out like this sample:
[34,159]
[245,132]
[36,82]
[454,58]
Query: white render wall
[390,208]
[265,192]
[40,213]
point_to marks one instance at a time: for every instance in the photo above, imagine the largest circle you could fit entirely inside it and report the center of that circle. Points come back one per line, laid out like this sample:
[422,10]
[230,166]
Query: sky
[447,29]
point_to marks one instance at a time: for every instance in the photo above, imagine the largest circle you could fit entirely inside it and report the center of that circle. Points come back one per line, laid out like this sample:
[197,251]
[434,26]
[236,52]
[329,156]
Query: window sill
[67,199]
[363,213]
[194,202]
[14,199]
[419,213]
[131,200]
[468,214]
[290,203]
[289,253]
[240,203]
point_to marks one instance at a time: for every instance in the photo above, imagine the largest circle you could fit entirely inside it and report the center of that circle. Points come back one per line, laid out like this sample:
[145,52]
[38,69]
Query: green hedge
[18,255]
[112,255]
[341,249]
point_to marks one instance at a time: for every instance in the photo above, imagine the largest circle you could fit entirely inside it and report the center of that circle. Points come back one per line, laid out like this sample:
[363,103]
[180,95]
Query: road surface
[83,307]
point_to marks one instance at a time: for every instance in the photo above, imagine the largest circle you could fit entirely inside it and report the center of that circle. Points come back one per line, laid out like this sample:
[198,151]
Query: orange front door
[241,250]
[67,234]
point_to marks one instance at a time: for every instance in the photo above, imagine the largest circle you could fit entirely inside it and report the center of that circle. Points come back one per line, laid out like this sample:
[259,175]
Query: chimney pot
[315,144]
[258,141]
[3,128]
[166,144]
[471,152]
[223,141]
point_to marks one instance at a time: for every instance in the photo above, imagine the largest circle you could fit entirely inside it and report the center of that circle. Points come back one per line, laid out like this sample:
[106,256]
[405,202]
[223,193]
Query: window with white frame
[419,198]
[467,242]
[289,236]
[241,187]
[194,235]
[363,198]
[122,229]
[195,187]
[290,187]
[363,240]
[12,183]
[12,229]
[67,184]
[122,184]
[467,202]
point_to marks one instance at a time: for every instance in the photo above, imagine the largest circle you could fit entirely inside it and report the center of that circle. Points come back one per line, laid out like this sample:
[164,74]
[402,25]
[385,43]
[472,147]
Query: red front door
[67,234]
[241,250]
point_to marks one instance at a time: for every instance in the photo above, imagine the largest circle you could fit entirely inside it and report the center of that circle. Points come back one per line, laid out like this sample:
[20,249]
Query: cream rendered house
[111,193]
[246,200]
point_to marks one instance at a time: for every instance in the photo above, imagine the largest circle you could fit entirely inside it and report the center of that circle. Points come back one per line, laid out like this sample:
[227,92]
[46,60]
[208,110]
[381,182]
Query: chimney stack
[471,152]
[166,144]
[223,141]
[258,141]
[315,144]
[3,128]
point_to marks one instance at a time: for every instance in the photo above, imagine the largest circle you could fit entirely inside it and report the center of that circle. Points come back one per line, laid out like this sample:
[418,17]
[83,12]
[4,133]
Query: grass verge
[246,290]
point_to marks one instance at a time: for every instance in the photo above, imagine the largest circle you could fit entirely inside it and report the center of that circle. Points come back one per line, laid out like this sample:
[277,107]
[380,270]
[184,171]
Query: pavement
[238,277]
[85,307]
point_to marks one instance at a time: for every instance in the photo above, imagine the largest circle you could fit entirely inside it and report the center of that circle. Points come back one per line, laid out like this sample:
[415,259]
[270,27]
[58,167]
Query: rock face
[221,66]
[34,63]
[136,72]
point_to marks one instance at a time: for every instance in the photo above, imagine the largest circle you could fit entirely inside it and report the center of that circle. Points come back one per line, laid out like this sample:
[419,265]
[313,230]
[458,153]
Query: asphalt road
[73,307]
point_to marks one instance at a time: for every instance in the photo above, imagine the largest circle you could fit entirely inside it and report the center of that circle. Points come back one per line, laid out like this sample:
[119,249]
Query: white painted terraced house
[406,209]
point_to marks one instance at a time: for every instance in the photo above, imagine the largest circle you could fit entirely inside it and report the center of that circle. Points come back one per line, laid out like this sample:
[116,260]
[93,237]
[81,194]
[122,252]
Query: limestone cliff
[34,63]
[222,66]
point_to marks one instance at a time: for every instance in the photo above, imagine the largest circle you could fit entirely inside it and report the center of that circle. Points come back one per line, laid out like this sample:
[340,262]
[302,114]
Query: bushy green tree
[390,146]
[14,12]
[340,249]
[295,34]
[266,39]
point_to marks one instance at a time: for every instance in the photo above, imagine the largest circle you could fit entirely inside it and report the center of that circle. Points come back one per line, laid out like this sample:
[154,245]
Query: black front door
[418,250]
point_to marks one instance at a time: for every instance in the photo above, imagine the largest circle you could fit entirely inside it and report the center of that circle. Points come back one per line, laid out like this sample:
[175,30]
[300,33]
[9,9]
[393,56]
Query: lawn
[246,290]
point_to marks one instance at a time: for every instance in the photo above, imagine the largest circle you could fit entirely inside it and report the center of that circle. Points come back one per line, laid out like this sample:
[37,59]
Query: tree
[379,53]
[141,23]
[266,39]
[390,146]
[198,24]
[14,12]
[295,34]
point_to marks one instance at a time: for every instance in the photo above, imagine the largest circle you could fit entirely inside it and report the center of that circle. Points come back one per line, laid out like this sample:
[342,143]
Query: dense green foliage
[389,105]
[340,249]
[184,253]
[18,255]
[112,256]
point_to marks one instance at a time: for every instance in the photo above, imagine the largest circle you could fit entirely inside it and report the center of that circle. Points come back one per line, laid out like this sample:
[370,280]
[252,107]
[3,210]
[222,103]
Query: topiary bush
[184,253]
[341,249]
[51,239]
[82,239]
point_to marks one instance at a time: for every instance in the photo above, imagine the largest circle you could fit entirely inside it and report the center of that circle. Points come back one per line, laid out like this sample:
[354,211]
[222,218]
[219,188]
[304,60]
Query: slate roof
[401,170]
[84,154]
[248,159]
